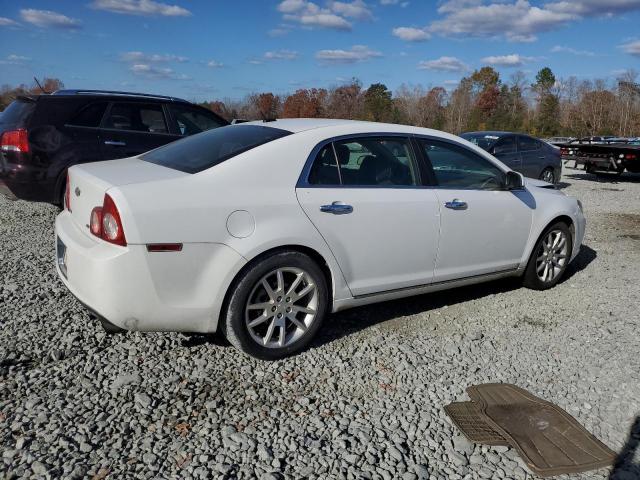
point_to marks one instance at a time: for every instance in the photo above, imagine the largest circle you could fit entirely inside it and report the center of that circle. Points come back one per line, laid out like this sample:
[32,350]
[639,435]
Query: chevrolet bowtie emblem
[77,190]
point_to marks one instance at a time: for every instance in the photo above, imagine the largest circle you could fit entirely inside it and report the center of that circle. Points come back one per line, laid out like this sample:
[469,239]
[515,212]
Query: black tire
[233,324]
[530,278]
[553,175]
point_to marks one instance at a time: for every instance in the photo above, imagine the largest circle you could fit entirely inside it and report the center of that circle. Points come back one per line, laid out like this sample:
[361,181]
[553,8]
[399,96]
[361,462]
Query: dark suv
[42,136]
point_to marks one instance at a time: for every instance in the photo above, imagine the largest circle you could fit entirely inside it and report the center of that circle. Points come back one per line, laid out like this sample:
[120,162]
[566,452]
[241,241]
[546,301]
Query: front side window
[137,117]
[528,144]
[456,167]
[190,121]
[200,152]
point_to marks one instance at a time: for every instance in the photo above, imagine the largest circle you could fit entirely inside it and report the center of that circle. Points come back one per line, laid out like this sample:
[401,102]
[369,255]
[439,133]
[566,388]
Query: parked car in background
[260,229]
[41,136]
[522,153]
[558,140]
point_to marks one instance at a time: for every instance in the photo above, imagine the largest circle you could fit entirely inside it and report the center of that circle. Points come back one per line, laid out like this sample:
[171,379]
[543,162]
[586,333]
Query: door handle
[114,143]
[456,204]
[337,208]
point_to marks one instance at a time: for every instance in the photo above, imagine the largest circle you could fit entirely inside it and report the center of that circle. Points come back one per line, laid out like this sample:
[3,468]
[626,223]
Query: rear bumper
[137,290]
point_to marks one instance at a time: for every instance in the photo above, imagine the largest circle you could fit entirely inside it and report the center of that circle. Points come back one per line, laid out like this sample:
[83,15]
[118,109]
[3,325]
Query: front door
[132,128]
[484,228]
[365,196]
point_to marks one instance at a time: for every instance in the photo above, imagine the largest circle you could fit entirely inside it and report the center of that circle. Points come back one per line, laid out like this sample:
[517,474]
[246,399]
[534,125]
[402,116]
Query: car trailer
[594,158]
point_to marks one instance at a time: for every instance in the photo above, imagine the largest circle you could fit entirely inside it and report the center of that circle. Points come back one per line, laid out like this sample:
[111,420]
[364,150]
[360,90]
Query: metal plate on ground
[547,438]
[470,421]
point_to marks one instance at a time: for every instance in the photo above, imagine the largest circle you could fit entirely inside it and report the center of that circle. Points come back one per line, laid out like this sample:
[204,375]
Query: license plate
[61,254]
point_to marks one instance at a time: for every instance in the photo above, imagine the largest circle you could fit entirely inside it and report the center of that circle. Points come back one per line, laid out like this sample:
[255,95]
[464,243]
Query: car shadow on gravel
[345,323]
[607,178]
[624,466]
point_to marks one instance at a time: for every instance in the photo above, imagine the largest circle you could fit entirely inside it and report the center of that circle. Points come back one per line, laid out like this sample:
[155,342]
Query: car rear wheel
[548,175]
[277,306]
[549,258]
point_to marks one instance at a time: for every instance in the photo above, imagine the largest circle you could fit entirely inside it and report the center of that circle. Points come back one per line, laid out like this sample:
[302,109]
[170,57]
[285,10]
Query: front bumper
[137,290]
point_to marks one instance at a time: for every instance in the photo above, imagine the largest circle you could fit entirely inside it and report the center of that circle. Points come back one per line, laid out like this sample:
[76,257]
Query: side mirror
[515,181]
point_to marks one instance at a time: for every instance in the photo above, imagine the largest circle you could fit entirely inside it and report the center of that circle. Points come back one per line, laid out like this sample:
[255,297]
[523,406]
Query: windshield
[204,150]
[482,140]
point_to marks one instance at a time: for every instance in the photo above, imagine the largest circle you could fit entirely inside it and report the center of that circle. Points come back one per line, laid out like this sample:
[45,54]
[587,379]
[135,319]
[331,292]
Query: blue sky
[208,49]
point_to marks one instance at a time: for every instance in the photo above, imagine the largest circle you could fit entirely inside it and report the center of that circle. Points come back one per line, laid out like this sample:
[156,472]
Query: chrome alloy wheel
[548,176]
[552,255]
[281,307]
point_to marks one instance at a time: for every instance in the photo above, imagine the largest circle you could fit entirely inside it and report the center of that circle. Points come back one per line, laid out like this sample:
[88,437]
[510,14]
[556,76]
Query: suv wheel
[277,306]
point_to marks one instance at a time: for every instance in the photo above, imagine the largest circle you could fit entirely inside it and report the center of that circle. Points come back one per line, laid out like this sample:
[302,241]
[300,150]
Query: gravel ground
[366,401]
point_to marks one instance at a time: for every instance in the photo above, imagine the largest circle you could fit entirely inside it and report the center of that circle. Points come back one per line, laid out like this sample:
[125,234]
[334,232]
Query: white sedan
[260,229]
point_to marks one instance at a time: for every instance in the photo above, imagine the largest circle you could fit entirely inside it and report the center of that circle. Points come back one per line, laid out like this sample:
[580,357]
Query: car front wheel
[548,175]
[549,258]
[276,306]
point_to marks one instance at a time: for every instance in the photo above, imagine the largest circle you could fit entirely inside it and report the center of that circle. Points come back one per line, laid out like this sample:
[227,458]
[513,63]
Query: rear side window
[505,145]
[200,152]
[18,112]
[191,121]
[138,117]
[528,143]
[90,116]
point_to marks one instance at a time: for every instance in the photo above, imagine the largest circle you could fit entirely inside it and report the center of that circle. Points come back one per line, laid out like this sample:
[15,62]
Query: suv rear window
[204,150]
[18,112]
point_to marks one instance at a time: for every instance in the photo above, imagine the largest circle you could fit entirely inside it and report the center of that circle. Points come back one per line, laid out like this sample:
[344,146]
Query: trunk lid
[90,182]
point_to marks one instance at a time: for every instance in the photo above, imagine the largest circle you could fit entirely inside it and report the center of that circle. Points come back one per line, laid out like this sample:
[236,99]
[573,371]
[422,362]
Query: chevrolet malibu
[259,230]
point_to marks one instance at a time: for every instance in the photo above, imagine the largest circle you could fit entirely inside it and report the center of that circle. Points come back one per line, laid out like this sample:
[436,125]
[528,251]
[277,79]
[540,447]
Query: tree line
[545,106]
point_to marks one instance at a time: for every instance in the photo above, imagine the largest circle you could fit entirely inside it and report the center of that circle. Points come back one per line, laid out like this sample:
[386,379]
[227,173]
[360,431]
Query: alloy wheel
[552,255]
[548,176]
[281,307]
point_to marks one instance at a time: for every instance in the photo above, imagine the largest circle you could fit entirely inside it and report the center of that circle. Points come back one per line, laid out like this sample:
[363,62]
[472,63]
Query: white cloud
[444,64]
[357,53]
[356,9]
[394,2]
[520,20]
[333,16]
[47,18]
[573,51]
[632,48]
[214,64]
[140,7]
[153,71]
[140,57]
[7,22]
[513,60]
[411,34]
[281,55]
[14,59]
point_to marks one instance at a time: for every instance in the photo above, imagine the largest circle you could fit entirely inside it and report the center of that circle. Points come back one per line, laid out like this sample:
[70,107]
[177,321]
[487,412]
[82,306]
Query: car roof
[116,94]
[296,125]
[496,133]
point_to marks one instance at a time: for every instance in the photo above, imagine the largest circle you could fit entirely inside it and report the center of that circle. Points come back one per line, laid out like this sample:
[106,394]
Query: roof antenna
[40,86]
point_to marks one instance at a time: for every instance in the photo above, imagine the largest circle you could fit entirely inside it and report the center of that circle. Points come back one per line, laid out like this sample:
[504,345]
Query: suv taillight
[105,223]
[15,141]
[67,193]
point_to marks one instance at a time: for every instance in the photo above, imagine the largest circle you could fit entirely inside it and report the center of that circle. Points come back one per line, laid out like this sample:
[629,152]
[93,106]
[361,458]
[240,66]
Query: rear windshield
[482,140]
[17,113]
[204,150]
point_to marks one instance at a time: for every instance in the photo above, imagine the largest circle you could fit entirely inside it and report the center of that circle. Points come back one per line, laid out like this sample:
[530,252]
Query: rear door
[132,128]
[533,156]
[506,150]
[366,197]
[84,130]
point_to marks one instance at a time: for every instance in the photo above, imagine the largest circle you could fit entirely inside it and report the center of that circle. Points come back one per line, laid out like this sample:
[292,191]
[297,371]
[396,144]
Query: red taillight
[629,156]
[67,193]
[15,141]
[95,223]
[105,223]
